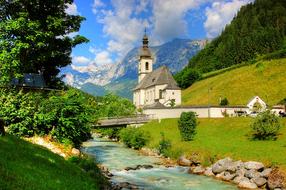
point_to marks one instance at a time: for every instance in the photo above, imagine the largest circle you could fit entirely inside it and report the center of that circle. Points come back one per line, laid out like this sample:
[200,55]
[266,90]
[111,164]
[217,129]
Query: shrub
[265,126]
[187,125]
[164,145]
[187,77]
[224,102]
[66,117]
[112,133]
[134,137]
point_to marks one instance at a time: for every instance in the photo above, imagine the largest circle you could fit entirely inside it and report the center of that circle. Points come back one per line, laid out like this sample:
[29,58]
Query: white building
[155,88]
[256,104]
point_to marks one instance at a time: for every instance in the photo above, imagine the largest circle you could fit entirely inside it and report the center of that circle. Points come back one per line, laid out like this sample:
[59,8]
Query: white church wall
[173,94]
[202,112]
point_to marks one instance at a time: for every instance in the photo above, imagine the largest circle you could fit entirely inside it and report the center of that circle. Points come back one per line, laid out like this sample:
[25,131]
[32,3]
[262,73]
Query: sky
[114,27]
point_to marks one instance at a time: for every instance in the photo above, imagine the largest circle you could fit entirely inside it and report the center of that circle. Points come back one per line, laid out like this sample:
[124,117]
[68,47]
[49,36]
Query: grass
[27,166]
[265,79]
[218,138]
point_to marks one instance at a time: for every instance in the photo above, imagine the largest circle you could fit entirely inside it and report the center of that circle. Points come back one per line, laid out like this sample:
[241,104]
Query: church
[155,88]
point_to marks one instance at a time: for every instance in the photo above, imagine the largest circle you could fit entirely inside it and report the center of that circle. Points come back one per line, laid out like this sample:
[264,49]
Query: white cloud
[71,9]
[220,14]
[96,5]
[169,17]
[103,58]
[122,27]
[80,60]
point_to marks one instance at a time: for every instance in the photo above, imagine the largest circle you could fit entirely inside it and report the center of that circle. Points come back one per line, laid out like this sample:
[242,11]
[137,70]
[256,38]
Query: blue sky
[114,27]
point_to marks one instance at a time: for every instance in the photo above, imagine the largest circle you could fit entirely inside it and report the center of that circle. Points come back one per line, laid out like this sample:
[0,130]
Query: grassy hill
[265,79]
[27,166]
[218,138]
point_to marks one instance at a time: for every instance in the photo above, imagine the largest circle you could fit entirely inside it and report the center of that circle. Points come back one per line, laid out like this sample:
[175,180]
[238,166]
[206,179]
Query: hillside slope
[265,79]
[27,166]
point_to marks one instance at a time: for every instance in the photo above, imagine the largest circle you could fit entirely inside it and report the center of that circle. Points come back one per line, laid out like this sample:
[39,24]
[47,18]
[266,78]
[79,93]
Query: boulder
[259,181]
[252,174]
[234,166]
[275,179]
[266,172]
[238,179]
[145,166]
[251,165]
[209,172]
[198,170]
[227,176]
[246,183]
[182,161]
[222,165]
[240,172]
[75,151]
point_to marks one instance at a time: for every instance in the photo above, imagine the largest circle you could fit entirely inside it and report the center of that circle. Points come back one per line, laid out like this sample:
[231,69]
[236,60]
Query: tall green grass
[25,166]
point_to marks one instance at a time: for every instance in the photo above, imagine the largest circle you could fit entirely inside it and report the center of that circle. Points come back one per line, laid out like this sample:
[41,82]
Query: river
[115,156]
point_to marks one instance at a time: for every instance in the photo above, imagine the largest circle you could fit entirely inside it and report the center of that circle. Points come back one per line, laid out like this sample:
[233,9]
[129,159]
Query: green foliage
[64,115]
[258,28]
[187,125]
[224,102]
[18,110]
[187,77]
[134,137]
[34,36]
[112,133]
[265,126]
[112,106]
[164,145]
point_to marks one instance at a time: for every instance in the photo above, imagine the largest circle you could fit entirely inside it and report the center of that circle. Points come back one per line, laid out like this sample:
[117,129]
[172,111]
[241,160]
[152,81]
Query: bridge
[122,121]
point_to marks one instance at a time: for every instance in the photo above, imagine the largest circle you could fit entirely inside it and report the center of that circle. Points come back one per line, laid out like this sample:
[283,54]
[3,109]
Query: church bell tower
[145,59]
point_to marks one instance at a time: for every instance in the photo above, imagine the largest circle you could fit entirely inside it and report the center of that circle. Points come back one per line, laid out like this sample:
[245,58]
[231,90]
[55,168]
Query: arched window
[147,66]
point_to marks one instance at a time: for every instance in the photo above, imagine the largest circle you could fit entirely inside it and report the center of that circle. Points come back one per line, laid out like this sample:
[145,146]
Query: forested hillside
[259,28]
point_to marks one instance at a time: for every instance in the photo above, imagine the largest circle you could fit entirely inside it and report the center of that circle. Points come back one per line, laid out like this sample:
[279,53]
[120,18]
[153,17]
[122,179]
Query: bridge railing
[128,116]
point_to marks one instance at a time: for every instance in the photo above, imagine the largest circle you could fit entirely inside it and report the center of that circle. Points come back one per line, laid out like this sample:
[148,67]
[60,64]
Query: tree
[265,126]
[2,130]
[224,102]
[34,37]
[187,125]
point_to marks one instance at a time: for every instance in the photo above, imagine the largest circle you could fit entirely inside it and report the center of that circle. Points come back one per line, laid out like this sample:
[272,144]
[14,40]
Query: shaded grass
[265,79]
[218,138]
[27,166]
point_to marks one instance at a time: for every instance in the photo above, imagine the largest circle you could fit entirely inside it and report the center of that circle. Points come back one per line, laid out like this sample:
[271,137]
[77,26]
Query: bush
[164,145]
[187,77]
[112,133]
[265,126]
[134,137]
[187,125]
[224,102]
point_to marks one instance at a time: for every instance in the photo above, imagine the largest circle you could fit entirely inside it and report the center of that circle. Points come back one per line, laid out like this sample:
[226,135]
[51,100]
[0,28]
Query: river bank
[129,167]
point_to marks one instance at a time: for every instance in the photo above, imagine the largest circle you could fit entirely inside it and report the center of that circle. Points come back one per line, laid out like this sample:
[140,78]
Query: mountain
[258,28]
[121,78]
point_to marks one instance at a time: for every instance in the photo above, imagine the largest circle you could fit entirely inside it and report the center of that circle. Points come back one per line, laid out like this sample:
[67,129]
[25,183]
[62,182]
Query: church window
[153,80]
[160,94]
[173,93]
[147,66]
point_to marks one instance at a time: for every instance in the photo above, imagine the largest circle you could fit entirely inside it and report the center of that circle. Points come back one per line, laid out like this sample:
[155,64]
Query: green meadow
[219,138]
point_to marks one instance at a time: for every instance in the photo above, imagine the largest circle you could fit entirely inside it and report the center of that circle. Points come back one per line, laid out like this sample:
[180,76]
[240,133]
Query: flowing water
[116,157]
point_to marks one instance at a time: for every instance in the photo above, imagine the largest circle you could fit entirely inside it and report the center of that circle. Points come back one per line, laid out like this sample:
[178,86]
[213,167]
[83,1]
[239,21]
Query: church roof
[145,52]
[159,76]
